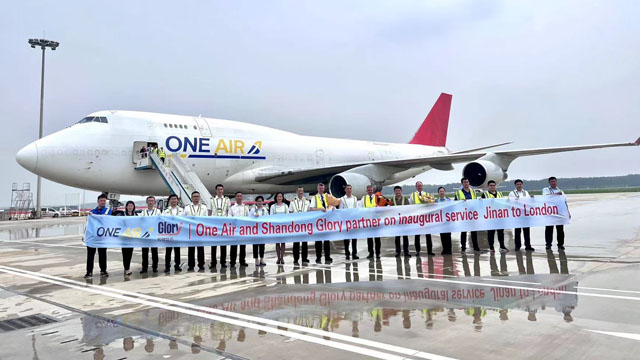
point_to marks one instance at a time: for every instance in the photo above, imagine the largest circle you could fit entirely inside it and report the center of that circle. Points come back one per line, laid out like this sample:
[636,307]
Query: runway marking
[157,302]
[631,336]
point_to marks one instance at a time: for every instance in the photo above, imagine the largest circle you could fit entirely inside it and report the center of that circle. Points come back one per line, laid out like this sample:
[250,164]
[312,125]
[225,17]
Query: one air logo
[255,148]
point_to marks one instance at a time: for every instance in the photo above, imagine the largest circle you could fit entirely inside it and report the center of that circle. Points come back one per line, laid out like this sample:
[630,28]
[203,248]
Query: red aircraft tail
[433,131]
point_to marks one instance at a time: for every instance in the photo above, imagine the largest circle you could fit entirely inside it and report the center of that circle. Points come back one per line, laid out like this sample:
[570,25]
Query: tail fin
[433,131]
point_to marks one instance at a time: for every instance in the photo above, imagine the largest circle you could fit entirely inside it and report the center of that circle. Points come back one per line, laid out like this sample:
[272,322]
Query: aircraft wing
[282,176]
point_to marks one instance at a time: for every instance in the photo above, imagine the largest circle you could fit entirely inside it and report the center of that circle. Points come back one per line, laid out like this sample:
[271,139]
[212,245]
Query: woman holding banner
[127,253]
[279,207]
[258,249]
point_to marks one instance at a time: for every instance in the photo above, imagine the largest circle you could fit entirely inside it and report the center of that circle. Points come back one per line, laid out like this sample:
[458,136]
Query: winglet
[433,131]
[638,141]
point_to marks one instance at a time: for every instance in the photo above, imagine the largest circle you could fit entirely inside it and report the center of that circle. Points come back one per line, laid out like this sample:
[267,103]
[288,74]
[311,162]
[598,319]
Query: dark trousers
[445,238]
[527,238]
[327,249]
[354,247]
[405,245]
[370,244]
[167,258]
[258,248]
[191,257]
[223,255]
[296,252]
[127,254]
[490,236]
[234,254]
[416,243]
[102,259]
[548,235]
[474,240]
[145,258]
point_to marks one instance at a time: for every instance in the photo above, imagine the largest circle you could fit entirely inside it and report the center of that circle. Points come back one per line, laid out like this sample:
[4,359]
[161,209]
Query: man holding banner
[172,210]
[492,193]
[464,194]
[445,238]
[298,205]
[518,194]
[101,209]
[221,206]
[151,210]
[369,201]
[236,210]
[348,201]
[320,203]
[399,200]
[421,197]
[195,209]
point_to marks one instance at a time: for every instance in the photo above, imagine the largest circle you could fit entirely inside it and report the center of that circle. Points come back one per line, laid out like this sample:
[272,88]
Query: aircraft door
[320,157]
[203,126]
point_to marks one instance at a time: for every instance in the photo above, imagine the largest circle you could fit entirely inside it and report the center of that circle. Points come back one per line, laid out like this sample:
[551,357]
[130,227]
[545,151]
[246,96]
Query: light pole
[44,44]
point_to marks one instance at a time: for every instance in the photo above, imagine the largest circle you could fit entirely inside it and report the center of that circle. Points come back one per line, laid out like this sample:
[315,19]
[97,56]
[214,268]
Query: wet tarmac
[581,303]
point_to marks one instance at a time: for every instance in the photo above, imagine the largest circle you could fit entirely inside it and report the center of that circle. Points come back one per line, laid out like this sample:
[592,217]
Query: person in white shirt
[369,201]
[298,205]
[553,189]
[421,197]
[172,210]
[151,210]
[195,209]
[520,193]
[348,201]
[238,209]
[399,200]
[279,207]
[258,249]
[221,205]
[319,202]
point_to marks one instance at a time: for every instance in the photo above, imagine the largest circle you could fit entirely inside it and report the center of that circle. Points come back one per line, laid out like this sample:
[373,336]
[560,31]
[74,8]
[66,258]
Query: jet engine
[481,171]
[358,181]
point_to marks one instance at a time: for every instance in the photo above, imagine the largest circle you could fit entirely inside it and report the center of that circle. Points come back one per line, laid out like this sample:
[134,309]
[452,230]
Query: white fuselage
[101,156]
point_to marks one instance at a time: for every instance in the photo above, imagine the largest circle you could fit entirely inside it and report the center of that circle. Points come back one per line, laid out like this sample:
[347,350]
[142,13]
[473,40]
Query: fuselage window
[171,126]
[165,125]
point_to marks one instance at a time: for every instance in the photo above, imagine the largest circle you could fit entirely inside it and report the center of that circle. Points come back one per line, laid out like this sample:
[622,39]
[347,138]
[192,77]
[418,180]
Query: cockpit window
[88,119]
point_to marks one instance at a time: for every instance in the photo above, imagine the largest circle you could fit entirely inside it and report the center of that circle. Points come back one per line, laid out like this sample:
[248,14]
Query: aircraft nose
[27,157]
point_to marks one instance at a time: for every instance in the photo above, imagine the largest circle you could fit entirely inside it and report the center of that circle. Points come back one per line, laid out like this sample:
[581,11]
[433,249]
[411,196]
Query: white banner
[451,216]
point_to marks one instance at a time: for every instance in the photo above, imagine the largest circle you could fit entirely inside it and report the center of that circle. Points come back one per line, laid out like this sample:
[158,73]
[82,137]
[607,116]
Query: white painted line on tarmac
[612,290]
[136,297]
[631,336]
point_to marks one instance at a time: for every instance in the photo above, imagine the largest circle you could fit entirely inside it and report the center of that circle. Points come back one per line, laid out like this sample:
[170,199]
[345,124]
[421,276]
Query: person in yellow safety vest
[399,200]
[492,193]
[369,201]
[319,202]
[161,154]
[467,193]
[421,197]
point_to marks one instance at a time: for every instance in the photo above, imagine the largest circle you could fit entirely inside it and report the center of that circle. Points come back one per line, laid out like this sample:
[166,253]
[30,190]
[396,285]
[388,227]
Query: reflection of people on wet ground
[419,267]
[127,343]
[504,314]
[173,344]
[352,275]
[241,335]
[428,322]
[375,270]
[451,315]
[521,268]
[553,265]
[478,313]
[447,265]
[532,315]
[566,312]
[149,346]
[300,279]
[222,346]
[476,265]
[406,319]
[281,279]
[98,354]
[323,276]
[377,319]
[195,345]
[355,331]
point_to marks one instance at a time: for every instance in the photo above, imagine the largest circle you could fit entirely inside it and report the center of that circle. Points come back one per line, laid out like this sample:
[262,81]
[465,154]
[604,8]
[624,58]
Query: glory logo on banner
[445,217]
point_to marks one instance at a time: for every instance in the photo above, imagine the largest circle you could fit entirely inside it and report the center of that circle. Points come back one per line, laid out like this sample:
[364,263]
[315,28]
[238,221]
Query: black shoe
[223,265]
[517,249]
[560,247]
[318,261]
[355,257]
[305,261]
[213,265]
[155,270]
[143,271]
[200,268]
[328,260]
[418,253]
[190,269]
[378,256]
[463,250]
[548,247]
[531,249]
[88,275]
[370,256]
[397,254]
[296,263]
[407,255]
[177,269]
[104,274]
[347,257]
[232,265]
[244,264]
[445,253]
[167,269]
[431,254]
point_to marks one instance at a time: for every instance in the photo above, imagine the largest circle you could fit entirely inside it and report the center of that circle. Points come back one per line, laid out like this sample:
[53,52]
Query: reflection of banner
[453,216]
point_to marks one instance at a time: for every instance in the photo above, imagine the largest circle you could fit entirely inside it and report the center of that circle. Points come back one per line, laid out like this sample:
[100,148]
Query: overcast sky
[539,73]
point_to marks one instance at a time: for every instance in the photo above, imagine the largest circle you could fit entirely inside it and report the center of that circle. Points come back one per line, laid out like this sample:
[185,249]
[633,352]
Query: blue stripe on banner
[201,156]
[446,217]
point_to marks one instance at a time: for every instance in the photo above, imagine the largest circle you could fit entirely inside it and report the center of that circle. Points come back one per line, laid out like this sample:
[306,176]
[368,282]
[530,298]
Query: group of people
[152,148]
[321,201]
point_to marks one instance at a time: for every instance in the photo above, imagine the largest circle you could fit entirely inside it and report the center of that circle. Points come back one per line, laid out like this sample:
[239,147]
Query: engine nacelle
[481,171]
[359,183]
